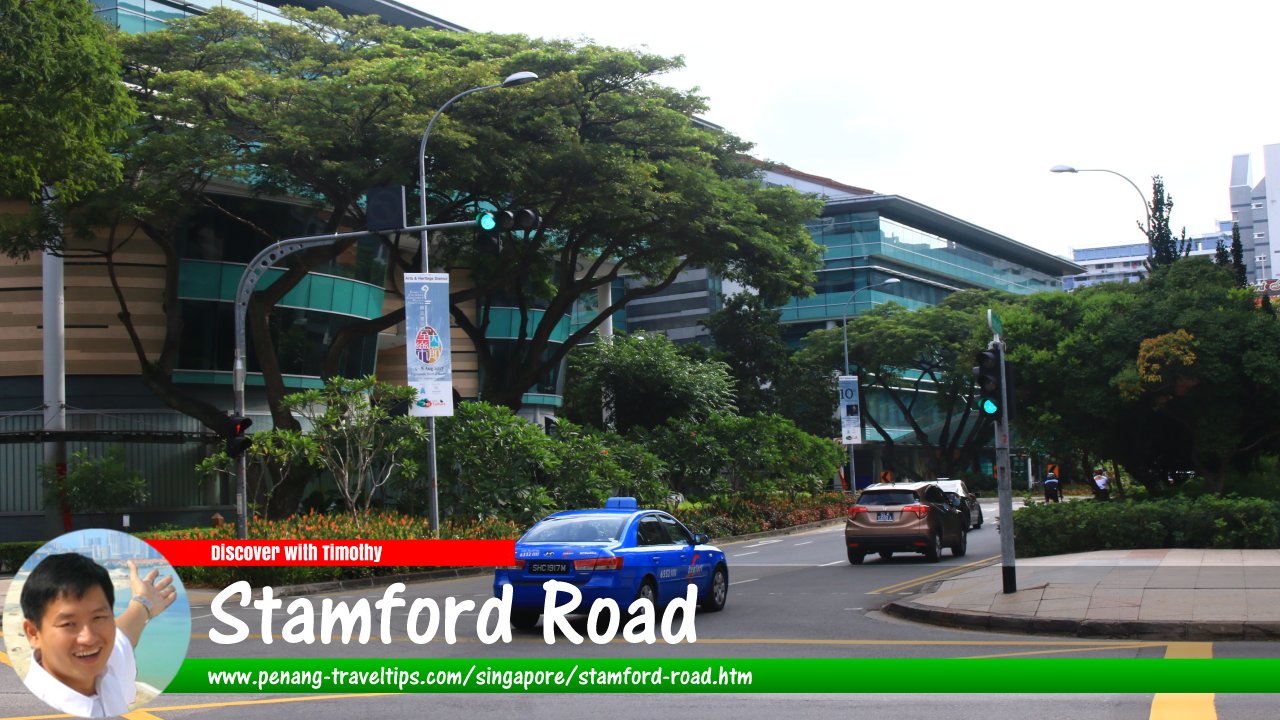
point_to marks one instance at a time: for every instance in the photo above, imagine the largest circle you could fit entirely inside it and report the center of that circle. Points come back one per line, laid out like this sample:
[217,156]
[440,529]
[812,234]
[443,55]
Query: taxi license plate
[543,567]
[885,517]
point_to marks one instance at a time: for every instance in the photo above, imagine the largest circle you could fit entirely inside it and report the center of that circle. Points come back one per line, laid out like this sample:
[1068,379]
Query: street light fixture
[512,80]
[1145,207]
[853,479]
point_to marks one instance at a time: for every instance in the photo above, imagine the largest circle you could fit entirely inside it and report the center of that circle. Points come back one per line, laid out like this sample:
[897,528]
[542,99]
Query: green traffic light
[486,221]
[989,407]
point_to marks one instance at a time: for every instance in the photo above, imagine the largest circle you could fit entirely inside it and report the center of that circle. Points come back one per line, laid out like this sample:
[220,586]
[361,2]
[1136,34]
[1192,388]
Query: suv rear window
[887,497]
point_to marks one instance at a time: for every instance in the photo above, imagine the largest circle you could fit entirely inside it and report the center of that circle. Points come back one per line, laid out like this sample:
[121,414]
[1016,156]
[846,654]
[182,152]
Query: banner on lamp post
[426,331]
[850,412]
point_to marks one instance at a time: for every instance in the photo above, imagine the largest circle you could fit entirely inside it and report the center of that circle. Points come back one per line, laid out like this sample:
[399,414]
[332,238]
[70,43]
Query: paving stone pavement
[1166,594]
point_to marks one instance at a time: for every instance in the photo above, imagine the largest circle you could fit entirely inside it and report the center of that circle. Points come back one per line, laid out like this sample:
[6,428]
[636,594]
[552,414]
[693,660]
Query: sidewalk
[1177,594]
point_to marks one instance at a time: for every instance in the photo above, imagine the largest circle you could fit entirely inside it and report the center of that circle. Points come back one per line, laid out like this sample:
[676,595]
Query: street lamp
[514,79]
[845,323]
[1145,207]
[853,479]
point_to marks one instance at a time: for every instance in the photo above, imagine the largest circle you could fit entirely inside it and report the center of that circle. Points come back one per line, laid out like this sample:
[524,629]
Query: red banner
[387,553]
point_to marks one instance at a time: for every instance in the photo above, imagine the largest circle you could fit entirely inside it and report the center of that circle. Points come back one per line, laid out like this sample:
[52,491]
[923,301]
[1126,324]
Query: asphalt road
[793,596]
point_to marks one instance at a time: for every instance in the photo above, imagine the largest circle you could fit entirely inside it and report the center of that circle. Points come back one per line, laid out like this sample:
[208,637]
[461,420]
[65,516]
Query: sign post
[850,421]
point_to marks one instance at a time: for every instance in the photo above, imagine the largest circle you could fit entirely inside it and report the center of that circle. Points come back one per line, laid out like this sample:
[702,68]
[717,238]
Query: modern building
[1128,263]
[1256,210]
[867,238]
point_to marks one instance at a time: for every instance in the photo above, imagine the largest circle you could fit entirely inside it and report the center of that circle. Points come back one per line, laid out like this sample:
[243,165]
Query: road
[793,596]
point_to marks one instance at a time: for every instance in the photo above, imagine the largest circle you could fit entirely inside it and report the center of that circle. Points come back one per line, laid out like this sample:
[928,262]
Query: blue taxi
[620,552]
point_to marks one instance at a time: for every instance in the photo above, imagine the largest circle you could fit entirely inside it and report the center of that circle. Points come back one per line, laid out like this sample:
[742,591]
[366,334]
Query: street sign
[850,411]
[993,322]
[426,323]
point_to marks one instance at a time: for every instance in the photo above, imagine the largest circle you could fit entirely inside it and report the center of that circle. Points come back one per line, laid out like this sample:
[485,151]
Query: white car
[968,500]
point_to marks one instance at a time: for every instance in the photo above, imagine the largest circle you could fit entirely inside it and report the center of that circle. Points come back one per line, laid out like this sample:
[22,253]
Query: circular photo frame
[83,650]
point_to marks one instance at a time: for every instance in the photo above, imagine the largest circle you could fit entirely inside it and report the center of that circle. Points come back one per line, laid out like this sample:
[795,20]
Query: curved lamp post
[514,79]
[853,479]
[1145,207]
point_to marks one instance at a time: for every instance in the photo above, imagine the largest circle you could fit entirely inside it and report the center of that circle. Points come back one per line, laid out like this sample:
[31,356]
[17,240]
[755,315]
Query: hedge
[1204,522]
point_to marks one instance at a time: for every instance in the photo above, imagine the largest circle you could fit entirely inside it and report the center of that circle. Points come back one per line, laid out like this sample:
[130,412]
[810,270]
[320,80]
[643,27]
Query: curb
[446,573]
[780,531]
[1144,630]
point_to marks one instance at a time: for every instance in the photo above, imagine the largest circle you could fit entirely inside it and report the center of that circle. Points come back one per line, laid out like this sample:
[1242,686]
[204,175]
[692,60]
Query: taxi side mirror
[701,539]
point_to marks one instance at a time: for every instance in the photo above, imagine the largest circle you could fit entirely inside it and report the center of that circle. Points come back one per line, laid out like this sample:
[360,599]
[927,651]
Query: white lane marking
[763,542]
[739,582]
[833,563]
[806,542]
[753,552]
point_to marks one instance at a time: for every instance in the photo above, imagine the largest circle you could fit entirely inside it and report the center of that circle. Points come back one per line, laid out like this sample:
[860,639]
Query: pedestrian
[1051,492]
[1101,485]
[83,661]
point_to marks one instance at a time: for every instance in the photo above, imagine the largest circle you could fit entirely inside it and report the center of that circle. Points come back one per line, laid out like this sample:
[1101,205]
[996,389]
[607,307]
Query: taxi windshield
[577,528]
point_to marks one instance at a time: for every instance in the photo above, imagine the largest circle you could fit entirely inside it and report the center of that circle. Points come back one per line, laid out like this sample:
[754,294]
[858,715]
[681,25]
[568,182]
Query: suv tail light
[855,509]
[604,563]
[921,511]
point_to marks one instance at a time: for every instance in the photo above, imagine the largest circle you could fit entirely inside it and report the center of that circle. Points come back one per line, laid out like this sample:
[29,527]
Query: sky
[964,106]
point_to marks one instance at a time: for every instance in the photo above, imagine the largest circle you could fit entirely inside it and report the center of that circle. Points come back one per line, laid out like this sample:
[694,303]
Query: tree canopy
[62,107]
[314,114]
[1172,374]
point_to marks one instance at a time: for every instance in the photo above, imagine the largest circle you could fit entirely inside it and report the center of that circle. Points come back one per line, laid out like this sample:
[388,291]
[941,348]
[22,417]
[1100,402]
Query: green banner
[730,675]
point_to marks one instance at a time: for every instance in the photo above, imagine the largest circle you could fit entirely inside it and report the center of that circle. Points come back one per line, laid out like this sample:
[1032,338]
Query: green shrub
[13,554]
[730,515]
[1204,522]
[103,484]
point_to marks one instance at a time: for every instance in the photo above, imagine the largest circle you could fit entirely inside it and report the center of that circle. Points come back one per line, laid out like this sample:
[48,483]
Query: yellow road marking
[4,660]
[922,580]
[139,715]
[1094,648]
[1185,706]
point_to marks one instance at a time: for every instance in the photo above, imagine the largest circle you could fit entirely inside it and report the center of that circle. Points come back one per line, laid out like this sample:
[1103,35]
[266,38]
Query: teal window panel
[200,279]
[300,295]
[342,294]
[320,296]
[359,300]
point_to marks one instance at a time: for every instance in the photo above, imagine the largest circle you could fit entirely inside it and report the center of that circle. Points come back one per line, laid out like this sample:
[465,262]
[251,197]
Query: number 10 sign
[850,413]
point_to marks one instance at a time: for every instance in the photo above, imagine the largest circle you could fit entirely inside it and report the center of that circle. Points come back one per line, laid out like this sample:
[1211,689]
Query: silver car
[968,500]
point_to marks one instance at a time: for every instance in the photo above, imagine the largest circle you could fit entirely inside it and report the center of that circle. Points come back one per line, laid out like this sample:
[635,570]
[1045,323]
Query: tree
[919,363]
[319,111]
[1237,257]
[1165,248]
[63,106]
[359,433]
[1163,376]
[1221,254]
[748,338]
[643,381]
[104,484]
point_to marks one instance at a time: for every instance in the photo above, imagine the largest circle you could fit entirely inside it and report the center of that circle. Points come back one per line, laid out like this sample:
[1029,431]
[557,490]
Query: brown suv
[904,517]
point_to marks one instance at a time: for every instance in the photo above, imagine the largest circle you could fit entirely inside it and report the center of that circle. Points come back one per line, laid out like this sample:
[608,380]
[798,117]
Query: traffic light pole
[253,274]
[1004,481]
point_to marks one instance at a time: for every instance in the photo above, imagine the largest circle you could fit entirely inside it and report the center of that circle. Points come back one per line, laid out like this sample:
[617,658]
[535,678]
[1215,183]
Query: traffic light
[987,377]
[237,441]
[504,220]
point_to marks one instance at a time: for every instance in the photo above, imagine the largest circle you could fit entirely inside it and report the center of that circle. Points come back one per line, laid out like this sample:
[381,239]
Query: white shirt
[1101,481]
[116,686]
